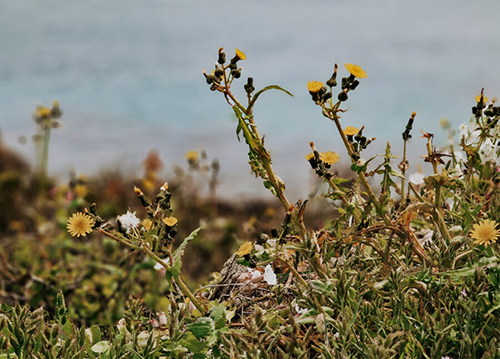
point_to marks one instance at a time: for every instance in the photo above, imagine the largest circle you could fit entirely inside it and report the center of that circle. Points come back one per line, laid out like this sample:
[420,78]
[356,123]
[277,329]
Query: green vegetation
[405,266]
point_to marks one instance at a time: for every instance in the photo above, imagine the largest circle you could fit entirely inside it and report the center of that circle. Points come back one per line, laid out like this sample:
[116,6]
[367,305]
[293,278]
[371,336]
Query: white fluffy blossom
[128,221]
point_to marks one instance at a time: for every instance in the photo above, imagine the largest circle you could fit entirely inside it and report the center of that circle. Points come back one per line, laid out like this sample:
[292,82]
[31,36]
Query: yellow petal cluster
[170,221]
[351,131]
[329,157]
[80,224]
[485,232]
[245,248]
[356,71]
[43,111]
[314,86]
[240,55]
[191,155]
[478,99]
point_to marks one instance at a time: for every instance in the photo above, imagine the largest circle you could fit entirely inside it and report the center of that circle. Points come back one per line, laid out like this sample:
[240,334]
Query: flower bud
[236,73]
[342,96]
[222,56]
[249,88]
[354,84]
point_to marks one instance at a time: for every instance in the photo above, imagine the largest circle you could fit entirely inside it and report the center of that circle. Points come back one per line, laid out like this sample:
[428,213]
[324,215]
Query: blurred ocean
[128,75]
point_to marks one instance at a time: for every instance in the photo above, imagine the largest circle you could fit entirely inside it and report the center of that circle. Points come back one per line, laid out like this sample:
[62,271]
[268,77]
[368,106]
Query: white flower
[128,221]
[416,178]
[159,267]
[487,152]
[269,275]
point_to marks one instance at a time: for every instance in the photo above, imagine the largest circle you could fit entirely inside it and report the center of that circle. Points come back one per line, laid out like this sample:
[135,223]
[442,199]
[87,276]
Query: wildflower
[170,221]
[81,190]
[43,112]
[310,156]
[314,86]
[240,55]
[329,157]
[164,187]
[416,178]
[270,276]
[147,224]
[478,99]
[356,71]
[159,267]
[128,221]
[488,151]
[351,131]
[80,224]
[485,232]
[192,157]
[245,248]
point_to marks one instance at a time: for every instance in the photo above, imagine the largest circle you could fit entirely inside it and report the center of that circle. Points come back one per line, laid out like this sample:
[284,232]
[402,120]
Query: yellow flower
[43,111]
[147,224]
[245,248]
[329,157]
[310,156]
[351,131]
[485,232]
[240,55]
[80,224]
[356,71]
[478,99]
[170,221]
[314,86]
[191,156]
[81,190]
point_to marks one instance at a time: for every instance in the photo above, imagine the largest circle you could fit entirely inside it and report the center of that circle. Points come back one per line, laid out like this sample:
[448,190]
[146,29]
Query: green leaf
[260,92]
[202,328]
[179,252]
[217,313]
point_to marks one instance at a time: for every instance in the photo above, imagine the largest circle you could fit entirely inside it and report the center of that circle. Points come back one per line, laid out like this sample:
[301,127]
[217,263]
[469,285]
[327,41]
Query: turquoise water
[128,76]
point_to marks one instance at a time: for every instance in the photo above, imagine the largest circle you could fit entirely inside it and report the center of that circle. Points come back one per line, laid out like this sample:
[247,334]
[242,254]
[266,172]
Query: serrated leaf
[179,252]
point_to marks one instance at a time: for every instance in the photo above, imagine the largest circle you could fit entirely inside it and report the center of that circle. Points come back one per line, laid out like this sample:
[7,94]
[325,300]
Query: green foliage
[405,269]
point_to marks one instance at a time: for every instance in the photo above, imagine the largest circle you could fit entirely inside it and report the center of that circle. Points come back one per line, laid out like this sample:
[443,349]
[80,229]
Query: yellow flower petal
[314,86]
[351,131]
[240,55]
[43,111]
[170,221]
[310,156]
[191,155]
[245,248]
[80,224]
[329,157]
[478,99]
[356,71]
[147,224]
[485,232]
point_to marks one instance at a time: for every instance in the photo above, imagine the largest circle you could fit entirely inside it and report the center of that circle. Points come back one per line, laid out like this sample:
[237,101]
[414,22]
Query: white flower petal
[270,276]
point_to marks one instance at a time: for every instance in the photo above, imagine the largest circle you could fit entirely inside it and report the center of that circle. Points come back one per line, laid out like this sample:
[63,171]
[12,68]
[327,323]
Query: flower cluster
[321,94]
[46,117]
[322,161]
[224,74]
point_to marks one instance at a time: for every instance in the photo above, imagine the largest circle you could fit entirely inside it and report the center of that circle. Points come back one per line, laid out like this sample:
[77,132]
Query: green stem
[185,290]
[403,171]
[44,158]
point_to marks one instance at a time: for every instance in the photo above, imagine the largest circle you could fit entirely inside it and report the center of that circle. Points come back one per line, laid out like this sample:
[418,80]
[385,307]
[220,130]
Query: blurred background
[128,75]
